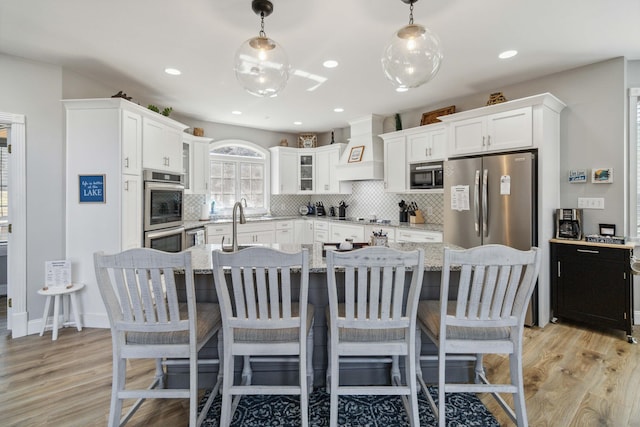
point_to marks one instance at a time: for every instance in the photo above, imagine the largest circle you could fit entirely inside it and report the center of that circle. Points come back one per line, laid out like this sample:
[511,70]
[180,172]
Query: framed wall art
[432,116]
[91,188]
[356,154]
[307,140]
[602,175]
[577,176]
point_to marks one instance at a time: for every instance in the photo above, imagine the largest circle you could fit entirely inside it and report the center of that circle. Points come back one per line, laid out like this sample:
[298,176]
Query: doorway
[4,225]
[16,223]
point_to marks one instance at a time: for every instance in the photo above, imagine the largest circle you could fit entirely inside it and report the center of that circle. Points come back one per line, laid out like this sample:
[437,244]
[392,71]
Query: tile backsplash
[367,199]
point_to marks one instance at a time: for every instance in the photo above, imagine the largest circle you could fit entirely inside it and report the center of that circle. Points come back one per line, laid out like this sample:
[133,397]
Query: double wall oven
[164,211]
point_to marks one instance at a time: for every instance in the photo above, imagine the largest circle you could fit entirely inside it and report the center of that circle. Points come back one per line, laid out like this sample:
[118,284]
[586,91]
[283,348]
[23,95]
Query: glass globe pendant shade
[412,57]
[262,66]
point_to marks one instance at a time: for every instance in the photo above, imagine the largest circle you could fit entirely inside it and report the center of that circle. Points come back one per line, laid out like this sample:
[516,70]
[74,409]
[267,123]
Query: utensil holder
[418,218]
[404,217]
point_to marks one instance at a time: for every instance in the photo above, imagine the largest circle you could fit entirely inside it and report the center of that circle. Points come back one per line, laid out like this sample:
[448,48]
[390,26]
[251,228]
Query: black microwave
[426,176]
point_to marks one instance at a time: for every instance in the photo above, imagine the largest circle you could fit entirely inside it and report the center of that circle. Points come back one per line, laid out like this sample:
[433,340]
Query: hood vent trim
[364,133]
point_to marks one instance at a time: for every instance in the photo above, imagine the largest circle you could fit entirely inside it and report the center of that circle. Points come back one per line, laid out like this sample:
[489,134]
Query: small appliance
[342,209]
[569,224]
[426,176]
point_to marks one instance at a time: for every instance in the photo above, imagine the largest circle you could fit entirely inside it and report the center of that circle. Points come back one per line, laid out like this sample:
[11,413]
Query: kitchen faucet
[236,206]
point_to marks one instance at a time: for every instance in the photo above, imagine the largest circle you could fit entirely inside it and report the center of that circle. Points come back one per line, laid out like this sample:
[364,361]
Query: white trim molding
[17,315]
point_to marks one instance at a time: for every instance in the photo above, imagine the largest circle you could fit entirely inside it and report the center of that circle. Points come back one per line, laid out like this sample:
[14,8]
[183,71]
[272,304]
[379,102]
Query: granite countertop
[423,227]
[201,254]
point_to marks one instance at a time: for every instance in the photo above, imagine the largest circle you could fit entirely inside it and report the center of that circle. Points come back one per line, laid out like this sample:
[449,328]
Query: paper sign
[57,274]
[505,185]
[460,198]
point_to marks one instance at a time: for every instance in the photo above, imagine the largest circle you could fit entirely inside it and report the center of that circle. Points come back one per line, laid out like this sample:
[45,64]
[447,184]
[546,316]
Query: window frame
[266,161]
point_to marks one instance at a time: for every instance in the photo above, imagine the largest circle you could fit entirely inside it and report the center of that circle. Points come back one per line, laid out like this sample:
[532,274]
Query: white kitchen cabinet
[340,232]
[215,233]
[320,231]
[502,131]
[327,158]
[395,163]
[284,232]
[195,163]
[131,143]
[306,171]
[418,236]
[105,137]
[303,231]
[161,145]
[256,232]
[426,143]
[284,170]
[131,229]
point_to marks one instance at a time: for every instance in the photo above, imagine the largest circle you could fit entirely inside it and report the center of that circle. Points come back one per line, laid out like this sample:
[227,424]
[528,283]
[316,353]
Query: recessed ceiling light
[338,109]
[402,89]
[173,71]
[330,63]
[236,112]
[508,54]
[297,123]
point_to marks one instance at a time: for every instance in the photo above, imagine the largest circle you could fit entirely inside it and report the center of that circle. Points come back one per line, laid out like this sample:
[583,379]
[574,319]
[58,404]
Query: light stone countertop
[201,254]
[404,225]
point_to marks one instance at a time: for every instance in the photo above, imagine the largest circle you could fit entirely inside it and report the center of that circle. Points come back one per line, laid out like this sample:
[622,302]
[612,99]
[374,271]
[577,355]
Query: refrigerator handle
[476,202]
[485,203]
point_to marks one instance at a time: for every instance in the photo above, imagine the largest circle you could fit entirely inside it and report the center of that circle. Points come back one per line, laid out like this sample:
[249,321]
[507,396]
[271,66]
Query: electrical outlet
[429,210]
[591,202]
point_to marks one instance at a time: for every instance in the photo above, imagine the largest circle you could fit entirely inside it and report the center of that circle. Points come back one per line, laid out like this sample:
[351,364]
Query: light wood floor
[574,377]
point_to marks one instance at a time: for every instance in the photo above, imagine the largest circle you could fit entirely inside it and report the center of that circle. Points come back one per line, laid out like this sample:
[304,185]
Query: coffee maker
[569,224]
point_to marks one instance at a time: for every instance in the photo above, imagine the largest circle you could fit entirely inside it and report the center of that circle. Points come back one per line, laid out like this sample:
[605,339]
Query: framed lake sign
[92,188]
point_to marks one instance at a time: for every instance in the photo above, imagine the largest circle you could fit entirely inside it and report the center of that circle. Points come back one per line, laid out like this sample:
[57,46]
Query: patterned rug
[354,411]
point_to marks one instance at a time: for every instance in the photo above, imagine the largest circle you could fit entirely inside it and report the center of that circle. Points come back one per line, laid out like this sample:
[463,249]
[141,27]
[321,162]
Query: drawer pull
[588,251]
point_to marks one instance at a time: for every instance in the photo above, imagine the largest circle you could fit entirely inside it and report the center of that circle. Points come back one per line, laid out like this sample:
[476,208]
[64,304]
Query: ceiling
[126,44]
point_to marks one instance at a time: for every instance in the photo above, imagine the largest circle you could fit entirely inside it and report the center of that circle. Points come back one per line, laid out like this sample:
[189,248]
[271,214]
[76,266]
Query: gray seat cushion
[208,318]
[429,317]
[275,335]
[364,335]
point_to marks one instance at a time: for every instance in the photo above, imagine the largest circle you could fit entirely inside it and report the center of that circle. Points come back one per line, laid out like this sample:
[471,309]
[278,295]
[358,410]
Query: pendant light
[413,56]
[261,64]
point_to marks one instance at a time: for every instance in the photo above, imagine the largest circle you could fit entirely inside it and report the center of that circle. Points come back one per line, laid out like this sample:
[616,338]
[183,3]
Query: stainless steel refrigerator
[492,199]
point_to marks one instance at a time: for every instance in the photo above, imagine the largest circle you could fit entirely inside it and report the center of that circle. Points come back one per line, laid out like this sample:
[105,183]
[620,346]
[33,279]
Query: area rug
[354,411]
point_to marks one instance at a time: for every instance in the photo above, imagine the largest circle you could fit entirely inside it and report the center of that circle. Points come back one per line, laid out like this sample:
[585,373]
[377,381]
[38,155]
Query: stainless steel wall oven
[164,211]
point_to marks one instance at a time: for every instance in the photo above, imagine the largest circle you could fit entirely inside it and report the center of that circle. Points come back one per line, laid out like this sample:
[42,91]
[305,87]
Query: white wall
[35,89]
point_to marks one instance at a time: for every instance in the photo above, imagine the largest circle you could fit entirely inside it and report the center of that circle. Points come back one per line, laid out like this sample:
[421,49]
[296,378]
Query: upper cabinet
[327,157]
[307,170]
[512,125]
[426,143]
[195,163]
[284,170]
[395,163]
[161,146]
[494,132]
[131,143]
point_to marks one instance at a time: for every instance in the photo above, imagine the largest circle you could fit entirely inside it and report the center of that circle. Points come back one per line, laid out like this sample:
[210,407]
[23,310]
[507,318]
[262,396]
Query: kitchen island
[369,373]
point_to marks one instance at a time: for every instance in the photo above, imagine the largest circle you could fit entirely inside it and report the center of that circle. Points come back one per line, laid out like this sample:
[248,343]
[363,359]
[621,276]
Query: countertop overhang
[433,254]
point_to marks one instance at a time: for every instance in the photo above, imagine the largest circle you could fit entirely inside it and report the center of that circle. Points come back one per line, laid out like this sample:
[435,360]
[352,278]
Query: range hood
[363,159]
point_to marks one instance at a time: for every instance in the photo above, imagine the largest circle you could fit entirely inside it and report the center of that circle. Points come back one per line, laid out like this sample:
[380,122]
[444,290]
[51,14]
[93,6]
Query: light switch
[591,202]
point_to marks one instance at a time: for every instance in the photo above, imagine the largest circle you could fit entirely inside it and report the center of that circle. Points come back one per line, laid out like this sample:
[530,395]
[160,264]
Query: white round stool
[59,292]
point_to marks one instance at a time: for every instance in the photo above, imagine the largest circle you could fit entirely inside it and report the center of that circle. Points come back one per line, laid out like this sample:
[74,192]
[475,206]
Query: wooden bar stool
[57,293]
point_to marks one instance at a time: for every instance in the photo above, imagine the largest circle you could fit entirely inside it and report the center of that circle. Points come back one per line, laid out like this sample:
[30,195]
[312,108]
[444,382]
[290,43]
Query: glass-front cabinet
[306,163]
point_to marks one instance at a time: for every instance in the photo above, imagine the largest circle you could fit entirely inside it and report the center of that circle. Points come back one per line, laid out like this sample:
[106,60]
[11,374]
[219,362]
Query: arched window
[239,170]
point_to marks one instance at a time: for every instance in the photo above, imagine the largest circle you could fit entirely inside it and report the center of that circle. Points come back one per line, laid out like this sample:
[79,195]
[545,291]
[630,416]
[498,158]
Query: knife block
[418,218]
